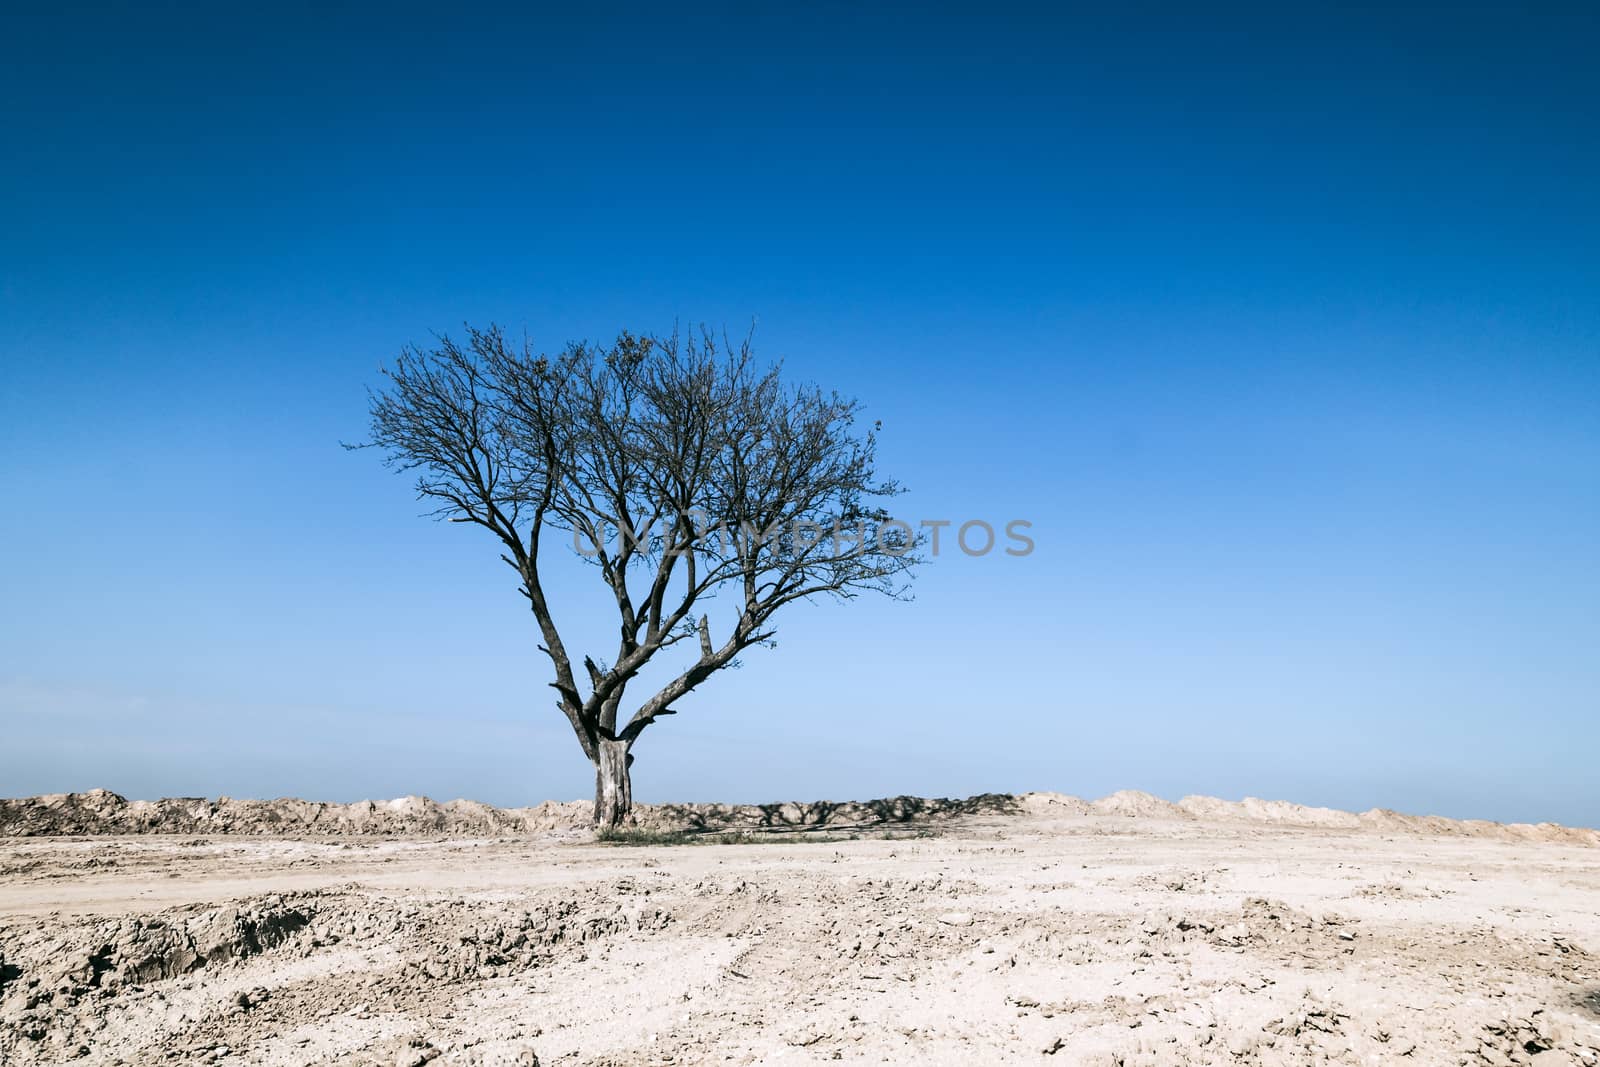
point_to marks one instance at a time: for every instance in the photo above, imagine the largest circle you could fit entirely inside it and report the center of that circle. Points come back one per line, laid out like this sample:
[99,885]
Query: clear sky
[1281,327]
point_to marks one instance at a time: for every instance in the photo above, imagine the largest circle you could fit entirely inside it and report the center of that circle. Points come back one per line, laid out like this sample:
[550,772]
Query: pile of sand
[1273,811]
[100,811]
[1136,805]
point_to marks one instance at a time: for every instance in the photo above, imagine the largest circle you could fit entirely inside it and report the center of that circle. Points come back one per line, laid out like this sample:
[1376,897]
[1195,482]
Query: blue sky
[1283,330]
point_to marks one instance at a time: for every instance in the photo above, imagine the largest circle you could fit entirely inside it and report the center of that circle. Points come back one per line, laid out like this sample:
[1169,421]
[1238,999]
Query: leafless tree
[679,469]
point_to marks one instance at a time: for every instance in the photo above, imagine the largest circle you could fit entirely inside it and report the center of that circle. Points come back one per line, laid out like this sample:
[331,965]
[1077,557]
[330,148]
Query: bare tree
[679,469]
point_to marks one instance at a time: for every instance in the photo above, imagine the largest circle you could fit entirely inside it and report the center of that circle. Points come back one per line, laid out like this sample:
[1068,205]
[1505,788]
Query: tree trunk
[613,791]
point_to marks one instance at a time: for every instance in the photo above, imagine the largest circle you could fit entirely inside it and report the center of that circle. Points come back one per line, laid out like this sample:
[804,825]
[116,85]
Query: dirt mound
[1386,821]
[49,980]
[100,812]
[1051,805]
[1137,805]
[135,951]
[1273,811]
[79,985]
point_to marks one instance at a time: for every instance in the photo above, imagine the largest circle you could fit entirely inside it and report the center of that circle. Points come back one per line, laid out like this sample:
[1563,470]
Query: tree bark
[613,789]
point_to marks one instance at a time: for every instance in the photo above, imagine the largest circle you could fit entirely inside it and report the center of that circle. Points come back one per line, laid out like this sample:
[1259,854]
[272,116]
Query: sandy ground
[1089,939]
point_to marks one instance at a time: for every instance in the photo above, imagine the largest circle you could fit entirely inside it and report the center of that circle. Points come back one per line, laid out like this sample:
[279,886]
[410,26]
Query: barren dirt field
[1123,933]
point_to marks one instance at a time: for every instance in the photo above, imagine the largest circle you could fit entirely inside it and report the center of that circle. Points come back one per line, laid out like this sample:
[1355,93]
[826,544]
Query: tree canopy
[680,468]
